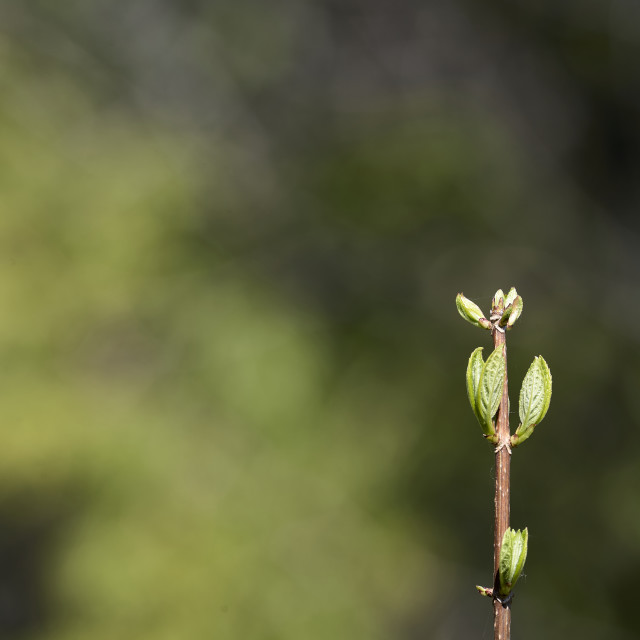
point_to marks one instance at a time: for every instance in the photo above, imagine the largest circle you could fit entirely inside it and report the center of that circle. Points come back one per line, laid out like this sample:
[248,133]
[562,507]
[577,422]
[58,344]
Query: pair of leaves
[535,397]
[485,383]
[513,554]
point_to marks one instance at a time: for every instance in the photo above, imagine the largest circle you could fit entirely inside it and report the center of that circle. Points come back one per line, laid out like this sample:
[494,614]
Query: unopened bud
[512,313]
[511,296]
[471,312]
[497,304]
[513,553]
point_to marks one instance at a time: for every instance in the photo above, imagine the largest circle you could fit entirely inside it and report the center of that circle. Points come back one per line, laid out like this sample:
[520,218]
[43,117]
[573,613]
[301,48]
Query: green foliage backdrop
[232,398]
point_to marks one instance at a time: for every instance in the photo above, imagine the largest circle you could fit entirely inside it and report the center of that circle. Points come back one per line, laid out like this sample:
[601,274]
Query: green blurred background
[232,399]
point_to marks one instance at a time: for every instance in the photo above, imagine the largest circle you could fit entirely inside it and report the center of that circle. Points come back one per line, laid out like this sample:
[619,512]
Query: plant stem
[501,612]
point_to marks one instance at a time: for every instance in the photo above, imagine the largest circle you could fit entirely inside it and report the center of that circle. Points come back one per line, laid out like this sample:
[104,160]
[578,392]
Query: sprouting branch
[488,391]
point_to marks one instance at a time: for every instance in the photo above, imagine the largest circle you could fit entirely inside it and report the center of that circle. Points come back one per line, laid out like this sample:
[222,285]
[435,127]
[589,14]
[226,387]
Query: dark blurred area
[232,386]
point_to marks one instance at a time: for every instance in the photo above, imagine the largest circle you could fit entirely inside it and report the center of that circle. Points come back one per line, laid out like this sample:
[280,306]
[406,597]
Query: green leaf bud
[513,554]
[516,312]
[471,312]
[511,296]
[511,313]
[497,304]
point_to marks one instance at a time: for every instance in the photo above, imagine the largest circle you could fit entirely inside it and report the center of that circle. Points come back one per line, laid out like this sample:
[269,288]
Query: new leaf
[474,369]
[489,391]
[535,397]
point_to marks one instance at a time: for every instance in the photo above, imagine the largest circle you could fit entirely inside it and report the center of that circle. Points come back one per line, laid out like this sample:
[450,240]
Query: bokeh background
[232,399]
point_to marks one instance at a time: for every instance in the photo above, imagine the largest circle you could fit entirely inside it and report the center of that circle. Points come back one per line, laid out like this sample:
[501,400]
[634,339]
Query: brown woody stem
[501,612]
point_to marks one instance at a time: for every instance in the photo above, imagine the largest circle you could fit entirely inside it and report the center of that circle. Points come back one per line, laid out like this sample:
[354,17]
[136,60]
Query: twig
[501,610]
[487,389]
